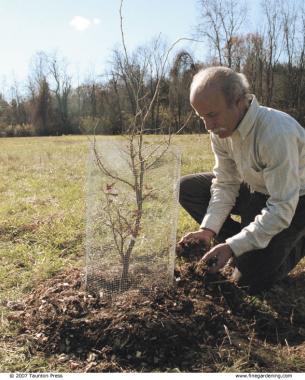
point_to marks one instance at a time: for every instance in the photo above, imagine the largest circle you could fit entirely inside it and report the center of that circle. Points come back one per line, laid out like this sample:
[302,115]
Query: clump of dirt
[198,325]
[191,251]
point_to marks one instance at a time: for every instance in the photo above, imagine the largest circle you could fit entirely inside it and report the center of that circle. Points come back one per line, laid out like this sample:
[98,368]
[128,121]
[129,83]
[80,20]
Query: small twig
[103,168]
[291,317]
[249,348]
[288,347]
[186,122]
[227,333]
[219,282]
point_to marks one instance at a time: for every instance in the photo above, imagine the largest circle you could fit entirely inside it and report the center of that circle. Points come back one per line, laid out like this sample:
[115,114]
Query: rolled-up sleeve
[224,189]
[281,175]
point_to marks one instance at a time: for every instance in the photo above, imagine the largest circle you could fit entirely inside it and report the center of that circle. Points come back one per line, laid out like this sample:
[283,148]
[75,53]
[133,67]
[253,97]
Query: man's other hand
[196,237]
[217,257]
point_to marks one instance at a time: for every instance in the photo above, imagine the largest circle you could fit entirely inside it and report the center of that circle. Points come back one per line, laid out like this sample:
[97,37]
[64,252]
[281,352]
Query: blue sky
[85,31]
[29,26]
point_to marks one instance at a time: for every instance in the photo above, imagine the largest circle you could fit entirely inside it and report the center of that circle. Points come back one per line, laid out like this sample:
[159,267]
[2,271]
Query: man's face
[218,117]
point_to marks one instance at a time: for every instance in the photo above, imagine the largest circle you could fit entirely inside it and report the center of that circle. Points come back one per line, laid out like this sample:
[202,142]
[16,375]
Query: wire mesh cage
[132,215]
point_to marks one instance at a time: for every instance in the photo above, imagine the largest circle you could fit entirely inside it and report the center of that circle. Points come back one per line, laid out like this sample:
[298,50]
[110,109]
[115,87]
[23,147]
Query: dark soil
[202,324]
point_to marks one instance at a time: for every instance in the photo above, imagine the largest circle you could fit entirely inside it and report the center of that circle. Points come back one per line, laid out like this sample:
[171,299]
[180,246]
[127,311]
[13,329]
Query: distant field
[42,214]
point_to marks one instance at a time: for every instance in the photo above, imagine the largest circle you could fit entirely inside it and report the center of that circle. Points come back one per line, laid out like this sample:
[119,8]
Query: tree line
[272,58]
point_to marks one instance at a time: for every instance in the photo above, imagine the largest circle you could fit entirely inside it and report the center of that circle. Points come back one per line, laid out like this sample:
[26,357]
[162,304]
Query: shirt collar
[247,122]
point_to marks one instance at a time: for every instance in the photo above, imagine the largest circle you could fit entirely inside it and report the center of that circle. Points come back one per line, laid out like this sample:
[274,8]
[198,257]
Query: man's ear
[240,102]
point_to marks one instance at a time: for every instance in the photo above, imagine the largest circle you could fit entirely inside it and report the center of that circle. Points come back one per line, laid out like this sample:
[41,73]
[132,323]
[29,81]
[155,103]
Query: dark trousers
[259,268]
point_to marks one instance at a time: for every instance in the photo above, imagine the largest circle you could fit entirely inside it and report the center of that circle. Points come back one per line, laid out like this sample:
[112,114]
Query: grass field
[42,225]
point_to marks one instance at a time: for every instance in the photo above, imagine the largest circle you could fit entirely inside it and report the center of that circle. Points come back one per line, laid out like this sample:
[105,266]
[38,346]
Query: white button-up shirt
[266,151]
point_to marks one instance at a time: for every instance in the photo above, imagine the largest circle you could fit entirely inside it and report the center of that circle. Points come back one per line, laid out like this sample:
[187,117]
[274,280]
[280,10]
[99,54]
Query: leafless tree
[300,93]
[254,62]
[290,24]
[273,43]
[125,225]
[17,109]
[220,22]
[181,75]
[61,87]
[49,73]
[42,110]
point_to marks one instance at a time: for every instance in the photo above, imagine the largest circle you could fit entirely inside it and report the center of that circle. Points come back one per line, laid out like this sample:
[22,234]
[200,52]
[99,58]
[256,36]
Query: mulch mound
[200,325]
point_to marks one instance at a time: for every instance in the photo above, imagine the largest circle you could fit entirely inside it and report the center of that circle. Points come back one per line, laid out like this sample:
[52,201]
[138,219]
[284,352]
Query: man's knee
[195,186]
[183,183]
[194,194]
[185,187]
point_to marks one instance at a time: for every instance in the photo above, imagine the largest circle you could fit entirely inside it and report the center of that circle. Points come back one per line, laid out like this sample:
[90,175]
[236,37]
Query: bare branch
[103,168]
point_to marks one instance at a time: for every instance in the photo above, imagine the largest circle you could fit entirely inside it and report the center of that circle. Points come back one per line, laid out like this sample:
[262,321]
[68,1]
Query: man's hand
[217,257]
[196,237]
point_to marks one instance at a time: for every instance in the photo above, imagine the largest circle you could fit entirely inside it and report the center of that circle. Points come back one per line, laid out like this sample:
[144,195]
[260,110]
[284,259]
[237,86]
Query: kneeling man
[259,174]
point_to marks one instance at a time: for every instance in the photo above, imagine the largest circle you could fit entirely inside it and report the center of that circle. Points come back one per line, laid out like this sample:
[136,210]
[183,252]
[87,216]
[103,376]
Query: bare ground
[203,324]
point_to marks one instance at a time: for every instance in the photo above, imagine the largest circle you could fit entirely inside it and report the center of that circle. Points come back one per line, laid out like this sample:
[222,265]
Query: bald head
[234,86]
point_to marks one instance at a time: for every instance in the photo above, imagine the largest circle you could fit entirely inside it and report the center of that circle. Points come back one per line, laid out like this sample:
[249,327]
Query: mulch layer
[204,323]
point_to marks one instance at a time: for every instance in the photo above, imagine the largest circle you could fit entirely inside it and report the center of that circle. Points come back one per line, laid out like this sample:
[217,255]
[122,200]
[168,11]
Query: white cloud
[96,21]
[80,23]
